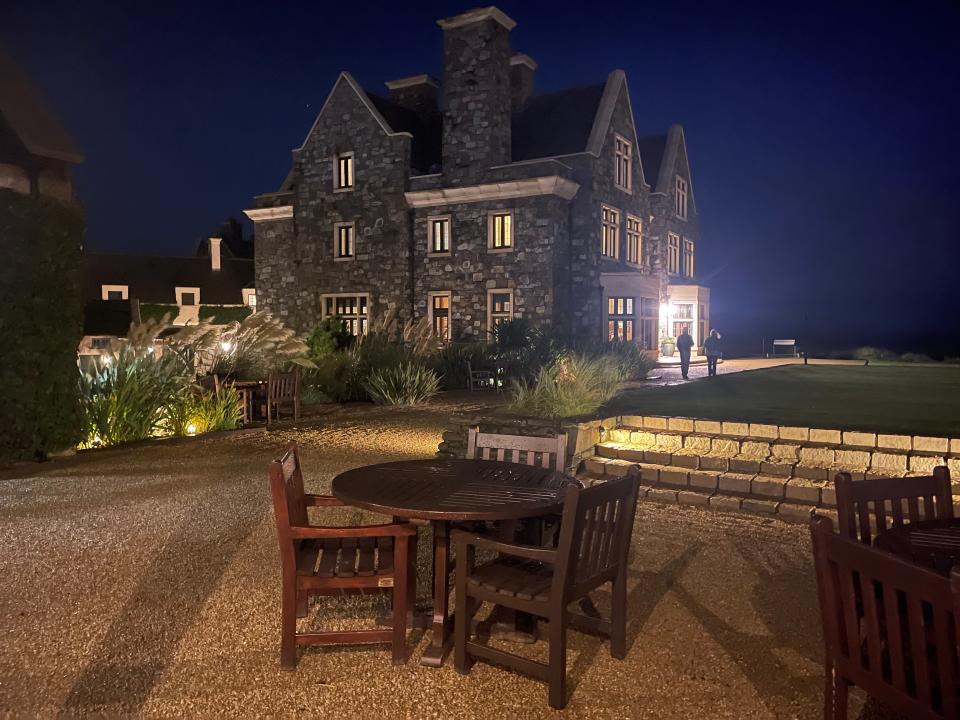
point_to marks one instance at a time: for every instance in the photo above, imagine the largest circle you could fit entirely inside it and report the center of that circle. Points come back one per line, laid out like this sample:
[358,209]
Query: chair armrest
[322,501]
[531,552]
[304,532]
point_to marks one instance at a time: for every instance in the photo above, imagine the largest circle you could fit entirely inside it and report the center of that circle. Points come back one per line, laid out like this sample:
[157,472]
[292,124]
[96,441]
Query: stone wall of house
[476,100]
[666,216]
[472,269]
[276,269]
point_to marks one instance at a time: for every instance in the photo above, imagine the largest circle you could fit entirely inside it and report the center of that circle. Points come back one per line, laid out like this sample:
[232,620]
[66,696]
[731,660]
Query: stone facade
[554,181]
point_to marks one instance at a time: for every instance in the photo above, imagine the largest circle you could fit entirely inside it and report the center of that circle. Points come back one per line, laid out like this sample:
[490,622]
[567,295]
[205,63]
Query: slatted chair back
[289,503]
[889,627]
[868,507]
[595,535]
[521,449]
[283,386]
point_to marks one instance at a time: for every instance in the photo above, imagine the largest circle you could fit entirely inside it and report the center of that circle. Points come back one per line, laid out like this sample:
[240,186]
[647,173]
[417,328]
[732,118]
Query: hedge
[41,322]
[223,314]
[154,311]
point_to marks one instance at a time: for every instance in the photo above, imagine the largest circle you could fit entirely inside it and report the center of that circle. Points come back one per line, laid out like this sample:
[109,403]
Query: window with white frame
[499,307]
[609,232]
[440,314]
[681,198]
[649,321]
[620,318]
[624,160]
[343,172]
[634,249]
[688,257]
[438,235]
[250,298]
[114,292]
[344,235]
[187,296]
[352,309]
[500,230]
[673,253]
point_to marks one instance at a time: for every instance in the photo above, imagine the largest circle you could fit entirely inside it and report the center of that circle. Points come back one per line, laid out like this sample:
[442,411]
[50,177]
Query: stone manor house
[472,200]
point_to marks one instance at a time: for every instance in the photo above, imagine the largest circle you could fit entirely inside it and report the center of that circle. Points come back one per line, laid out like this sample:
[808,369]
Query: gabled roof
[28,115]
[663,150]
[153,279]
[426,132]
[557,123]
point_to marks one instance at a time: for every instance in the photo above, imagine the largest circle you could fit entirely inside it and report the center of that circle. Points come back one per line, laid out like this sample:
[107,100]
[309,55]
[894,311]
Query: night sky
[824,136]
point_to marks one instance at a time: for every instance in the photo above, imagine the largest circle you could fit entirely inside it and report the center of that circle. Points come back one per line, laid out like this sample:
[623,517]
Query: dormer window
[624,161]
[114,292]
[681,198]
[343,172]
[187,296]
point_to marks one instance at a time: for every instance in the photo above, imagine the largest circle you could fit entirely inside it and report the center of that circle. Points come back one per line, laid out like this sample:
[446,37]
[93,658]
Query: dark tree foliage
[41,323]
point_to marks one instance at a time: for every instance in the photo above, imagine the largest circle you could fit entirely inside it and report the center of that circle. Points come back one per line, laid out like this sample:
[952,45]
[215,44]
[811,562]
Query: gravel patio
[145,580]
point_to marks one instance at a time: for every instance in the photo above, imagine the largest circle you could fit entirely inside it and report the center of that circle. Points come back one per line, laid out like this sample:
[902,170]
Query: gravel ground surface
[145,580]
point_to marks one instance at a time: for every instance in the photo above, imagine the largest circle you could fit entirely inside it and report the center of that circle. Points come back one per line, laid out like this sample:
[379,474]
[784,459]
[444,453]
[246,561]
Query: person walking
[685,345]
[712,349]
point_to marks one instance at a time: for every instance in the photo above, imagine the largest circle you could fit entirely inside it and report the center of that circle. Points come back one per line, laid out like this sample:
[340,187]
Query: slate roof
[153,279]
[557,123]
[107,317]
[27,114]
[651,149]
[426,132]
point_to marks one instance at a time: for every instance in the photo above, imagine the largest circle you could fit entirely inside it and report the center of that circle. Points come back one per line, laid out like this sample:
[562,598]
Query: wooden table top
[932,543]
[453,489]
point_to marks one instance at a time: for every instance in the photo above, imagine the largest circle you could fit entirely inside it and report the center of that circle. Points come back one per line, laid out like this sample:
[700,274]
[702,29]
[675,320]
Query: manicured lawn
[917,400]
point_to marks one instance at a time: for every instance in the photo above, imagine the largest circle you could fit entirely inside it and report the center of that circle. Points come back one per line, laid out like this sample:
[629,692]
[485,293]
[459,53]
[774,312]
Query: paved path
[146,581]
[670,375]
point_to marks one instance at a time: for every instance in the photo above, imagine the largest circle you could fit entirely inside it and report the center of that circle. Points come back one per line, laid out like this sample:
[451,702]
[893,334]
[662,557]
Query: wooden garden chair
[868,507]
[283,391]
[593,550]
[337,560]
[889,626]
[479,378]
[552,451]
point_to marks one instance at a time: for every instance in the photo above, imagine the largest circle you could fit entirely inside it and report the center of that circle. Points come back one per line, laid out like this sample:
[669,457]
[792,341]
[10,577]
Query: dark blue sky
[824,136]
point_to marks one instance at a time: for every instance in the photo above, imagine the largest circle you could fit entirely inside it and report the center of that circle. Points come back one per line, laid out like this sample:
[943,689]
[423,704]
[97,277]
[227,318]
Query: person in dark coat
[685,345]
[713,351]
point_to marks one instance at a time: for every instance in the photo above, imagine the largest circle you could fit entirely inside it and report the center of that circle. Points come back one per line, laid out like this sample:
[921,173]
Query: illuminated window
[649,319]
[620,318]
[633,240]
[343,241]
[683,311]
[438,230]
[250,298]
[688,257]
[440,314]
[343,172]
[500,230]
[499,307]
[609,232]
[624,155]
[681,198]
[673,253]
[352,309]
[113,292]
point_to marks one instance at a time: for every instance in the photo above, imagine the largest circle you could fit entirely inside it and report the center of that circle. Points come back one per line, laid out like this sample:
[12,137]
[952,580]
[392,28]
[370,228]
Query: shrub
[450,363]
[911,357]
[195,410]
[41,323]
[408,383]
[873,353]
[328,337]
[573,384]
[633,360]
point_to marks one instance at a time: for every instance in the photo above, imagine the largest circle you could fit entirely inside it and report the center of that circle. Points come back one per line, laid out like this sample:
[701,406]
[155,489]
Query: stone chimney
[417,93]
[215,253]
[476,92]
[522,70]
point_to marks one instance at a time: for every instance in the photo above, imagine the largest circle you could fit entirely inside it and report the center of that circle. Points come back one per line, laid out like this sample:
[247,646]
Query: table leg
[441,636]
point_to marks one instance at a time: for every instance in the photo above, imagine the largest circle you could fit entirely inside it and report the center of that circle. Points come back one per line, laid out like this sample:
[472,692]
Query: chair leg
[302,600]
[288,625]
[558,660]
[618,619]
[462,661]
[835,695]
[401,581]
[412,582]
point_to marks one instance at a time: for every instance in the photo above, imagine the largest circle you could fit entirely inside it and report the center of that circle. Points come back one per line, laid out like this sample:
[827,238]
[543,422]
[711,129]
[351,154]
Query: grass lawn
[914,400]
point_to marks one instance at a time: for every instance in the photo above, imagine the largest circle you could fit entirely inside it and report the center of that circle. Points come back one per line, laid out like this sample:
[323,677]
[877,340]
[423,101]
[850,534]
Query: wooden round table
[932,543]
[445,491]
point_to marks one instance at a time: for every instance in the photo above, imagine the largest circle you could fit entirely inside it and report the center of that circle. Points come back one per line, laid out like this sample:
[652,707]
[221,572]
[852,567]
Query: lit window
[343,241]
[633,240]
[688,257]
[649,321]
[438,229]
[352,309]
[681,198]
[343,172]
[609,232]
[683,318]
[673,253]
[499,307]
[624,155]
[620,318]
[250,298]
[113,292]
[500,229]
[440,314]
